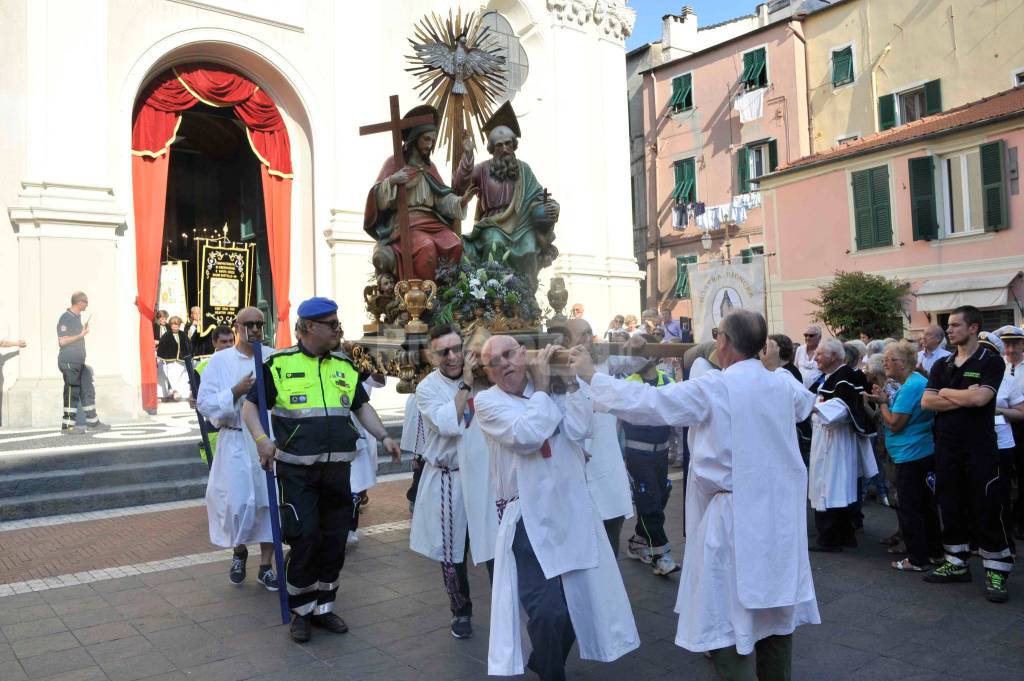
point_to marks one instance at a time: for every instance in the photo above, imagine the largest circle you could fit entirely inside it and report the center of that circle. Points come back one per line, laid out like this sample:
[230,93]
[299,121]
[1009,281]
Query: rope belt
[450,579]
[646,446]
[502,503]
[237,430]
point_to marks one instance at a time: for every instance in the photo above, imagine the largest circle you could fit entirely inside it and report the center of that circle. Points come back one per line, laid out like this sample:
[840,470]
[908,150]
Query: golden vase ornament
[417,295]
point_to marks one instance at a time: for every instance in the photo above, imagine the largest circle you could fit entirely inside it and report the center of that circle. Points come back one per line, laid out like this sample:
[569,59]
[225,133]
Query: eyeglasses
[253,325]
[810,335]
[453,350]
[508,355]
[333,324]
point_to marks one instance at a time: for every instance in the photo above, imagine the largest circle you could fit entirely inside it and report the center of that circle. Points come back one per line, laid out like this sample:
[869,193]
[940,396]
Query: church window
[517,66]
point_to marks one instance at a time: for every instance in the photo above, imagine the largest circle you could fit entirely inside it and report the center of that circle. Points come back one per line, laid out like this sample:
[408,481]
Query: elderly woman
[908,438]
[171,350]
[874,371]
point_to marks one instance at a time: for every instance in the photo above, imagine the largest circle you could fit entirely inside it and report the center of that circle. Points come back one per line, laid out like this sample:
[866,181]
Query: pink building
[935,202]
[715,121]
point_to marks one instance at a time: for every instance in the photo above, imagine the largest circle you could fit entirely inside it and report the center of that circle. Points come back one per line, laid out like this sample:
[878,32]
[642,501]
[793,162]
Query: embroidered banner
[171,296]
[720,287]
[224,273]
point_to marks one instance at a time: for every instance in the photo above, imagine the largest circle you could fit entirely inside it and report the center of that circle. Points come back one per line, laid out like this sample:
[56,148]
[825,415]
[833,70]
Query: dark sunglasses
[453,350]
[253,325]
[333,324]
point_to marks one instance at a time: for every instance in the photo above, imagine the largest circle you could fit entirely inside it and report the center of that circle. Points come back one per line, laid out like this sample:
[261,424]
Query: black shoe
[947,572]
[330,622]
[97,427]
[237,572]
[462,627]
[818,548]
[995,586]
[267,578]
[300,630]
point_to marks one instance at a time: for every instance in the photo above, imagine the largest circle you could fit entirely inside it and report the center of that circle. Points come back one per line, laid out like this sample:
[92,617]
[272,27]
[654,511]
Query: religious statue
[515,214]
[432,205]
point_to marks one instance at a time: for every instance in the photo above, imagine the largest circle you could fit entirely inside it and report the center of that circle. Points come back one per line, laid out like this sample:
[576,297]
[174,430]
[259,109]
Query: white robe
[439,520]
[412,427]
[746,574]
[363,471]
[565,530]
[808,367]
[478,491]
[236,493]
[839,455]
[606,470]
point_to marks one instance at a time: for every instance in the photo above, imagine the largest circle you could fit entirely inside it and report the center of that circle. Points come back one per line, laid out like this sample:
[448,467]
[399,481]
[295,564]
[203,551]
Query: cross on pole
[395,126]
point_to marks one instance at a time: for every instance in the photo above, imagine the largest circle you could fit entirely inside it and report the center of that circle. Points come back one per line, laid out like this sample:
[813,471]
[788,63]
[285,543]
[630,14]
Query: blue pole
[275,517]
[204,427]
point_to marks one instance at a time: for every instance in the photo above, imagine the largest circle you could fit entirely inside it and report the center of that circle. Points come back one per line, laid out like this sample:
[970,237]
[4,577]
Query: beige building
[75,71]
[876,64]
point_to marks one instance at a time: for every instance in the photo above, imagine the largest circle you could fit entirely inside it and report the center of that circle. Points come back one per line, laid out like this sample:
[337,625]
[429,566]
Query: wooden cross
[395,126]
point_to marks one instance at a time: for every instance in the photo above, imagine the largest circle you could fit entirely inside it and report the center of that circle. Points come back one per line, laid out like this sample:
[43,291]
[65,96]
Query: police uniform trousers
[316,514]
[1018,465]
[79,393]
[648,472]
[968,492]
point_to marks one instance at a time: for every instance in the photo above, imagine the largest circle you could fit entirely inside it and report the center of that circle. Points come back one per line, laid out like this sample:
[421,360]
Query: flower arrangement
[488,293]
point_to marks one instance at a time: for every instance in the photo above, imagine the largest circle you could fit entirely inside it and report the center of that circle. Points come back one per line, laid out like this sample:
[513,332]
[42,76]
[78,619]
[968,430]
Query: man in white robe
[804,357]
[840,449]
[746,580]
[551,557]
[607,479]
[236,492]
[363,474]
[440,523]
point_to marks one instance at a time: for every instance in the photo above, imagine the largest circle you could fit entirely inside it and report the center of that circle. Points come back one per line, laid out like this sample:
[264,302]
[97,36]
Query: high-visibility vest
[654,435]
[311,414]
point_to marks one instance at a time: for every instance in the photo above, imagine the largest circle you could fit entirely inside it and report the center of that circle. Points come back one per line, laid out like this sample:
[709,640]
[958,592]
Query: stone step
[81,501]
[98,477]
[92,457]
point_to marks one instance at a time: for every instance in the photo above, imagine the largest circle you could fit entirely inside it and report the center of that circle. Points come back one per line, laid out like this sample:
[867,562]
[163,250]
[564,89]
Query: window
[685,190]
[842,66]
[517,66]
[756,160]
[682,93]
[846,139]
[1018,78]
[909,105]
[683,263]
[991,318]
[755,69]
[964,192]
[747,254]
[872,219]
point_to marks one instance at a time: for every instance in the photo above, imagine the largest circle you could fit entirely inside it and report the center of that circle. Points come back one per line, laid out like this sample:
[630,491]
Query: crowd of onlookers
[176,340]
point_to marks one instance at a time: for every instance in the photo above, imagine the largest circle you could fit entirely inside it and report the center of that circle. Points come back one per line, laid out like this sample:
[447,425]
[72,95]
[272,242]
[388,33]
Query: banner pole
[275,517]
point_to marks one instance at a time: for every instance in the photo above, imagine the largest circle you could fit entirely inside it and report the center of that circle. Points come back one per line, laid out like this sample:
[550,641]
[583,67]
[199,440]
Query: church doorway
[214,191]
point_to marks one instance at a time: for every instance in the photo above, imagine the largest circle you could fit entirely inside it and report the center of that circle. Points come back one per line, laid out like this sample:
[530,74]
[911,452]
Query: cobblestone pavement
[187,622]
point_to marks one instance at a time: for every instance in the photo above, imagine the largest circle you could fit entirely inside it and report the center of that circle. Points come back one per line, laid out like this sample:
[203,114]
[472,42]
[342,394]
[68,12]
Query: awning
[990,290]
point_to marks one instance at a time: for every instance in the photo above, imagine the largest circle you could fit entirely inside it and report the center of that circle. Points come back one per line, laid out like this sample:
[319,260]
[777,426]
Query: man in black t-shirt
[78,388]
[962,390]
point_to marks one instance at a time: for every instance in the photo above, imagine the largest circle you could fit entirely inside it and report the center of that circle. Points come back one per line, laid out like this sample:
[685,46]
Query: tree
[855,302]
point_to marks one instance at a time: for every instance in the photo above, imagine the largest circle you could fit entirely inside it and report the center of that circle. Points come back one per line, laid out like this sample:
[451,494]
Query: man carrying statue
[515,213]
[432,206]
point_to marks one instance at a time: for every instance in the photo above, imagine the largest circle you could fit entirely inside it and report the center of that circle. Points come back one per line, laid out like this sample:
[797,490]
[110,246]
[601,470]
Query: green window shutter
[683,275]
[922,198]
[675,103]
[842,67]
[880,208]
[746,255]
[686,92]
[886,112]
[993,186]
[932,98]
[742,171]
[677,191]
[749,60]
[863,225]
[755,73]
[773,156]
[761,73]
[689,191]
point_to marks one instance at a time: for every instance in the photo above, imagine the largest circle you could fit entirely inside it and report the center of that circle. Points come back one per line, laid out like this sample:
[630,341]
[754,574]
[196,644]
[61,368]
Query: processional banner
[171,293]
[224,273]
[720,287]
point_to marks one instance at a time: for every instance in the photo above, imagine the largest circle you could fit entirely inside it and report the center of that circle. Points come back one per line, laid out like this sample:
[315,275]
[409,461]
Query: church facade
[83,216]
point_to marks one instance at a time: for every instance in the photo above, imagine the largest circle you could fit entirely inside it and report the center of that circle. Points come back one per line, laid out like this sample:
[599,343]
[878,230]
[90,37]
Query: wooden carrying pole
[604,350]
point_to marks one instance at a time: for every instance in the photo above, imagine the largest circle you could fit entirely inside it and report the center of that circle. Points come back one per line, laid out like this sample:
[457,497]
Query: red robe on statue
[432,208]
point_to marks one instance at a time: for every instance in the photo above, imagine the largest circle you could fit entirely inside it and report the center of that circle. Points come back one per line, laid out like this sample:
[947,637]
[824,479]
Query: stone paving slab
[188,622]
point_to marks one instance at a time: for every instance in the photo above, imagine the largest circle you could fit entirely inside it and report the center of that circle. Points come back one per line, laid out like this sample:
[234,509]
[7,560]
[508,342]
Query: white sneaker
[353,537]
[637,549]
[664,565]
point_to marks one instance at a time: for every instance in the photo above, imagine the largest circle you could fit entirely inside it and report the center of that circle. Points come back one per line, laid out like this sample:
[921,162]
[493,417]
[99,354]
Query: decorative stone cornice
[611,17]
[50,209]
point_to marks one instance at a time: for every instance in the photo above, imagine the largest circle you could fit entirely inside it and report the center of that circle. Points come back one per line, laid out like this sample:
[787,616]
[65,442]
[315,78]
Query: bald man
[237,507]
[931,348]
[549,557]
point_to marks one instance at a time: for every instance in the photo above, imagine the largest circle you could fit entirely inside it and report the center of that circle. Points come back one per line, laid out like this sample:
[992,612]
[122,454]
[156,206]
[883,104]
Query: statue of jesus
[432,206]
[514,213]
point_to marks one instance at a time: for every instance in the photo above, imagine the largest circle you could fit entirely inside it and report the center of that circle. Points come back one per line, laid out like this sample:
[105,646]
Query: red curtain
[154,125]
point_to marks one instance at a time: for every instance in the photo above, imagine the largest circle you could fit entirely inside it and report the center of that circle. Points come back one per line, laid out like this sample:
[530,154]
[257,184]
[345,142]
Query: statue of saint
[432,206]
[514,213]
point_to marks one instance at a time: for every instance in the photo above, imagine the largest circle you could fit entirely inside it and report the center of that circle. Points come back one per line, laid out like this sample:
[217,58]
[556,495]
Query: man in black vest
[79,392]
